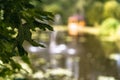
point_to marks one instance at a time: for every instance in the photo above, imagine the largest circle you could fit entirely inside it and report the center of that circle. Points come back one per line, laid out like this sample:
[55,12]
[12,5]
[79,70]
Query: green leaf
[21,50]
[26,59]
[5,71]
[15,65]
[35,43]
[43,26]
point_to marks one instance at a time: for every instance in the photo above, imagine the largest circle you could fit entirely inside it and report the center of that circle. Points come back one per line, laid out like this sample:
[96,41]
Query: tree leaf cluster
[20,18]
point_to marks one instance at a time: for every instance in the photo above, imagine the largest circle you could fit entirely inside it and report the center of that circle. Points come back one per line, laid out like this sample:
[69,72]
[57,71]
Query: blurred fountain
[71,60]
[59,55]
[55,50]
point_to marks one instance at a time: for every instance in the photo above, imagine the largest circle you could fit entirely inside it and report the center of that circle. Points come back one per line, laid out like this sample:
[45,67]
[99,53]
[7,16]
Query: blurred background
[85,43]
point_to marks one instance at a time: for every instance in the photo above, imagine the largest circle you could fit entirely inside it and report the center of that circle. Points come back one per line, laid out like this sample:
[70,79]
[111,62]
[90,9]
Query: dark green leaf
[26,59]
[15,65]
[35,43]
[21,50]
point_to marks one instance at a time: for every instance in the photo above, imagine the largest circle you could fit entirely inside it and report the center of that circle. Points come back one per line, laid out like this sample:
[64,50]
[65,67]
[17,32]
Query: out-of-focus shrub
[94,13]
[112,9]
[109,28]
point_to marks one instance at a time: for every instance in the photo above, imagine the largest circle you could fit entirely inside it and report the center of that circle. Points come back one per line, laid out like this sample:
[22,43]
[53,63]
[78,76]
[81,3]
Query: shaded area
[94,61]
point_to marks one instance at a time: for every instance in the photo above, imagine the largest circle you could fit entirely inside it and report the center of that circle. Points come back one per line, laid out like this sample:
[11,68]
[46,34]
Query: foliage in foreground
[17,19]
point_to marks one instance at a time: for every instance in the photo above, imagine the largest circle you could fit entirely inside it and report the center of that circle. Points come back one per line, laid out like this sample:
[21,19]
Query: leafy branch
[23,16]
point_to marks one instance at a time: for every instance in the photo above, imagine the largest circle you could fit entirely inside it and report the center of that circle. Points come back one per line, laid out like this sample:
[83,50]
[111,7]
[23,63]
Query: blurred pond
[88,54]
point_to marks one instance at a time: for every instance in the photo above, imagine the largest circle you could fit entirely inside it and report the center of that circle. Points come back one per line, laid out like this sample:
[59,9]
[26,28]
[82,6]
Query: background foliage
[95,11]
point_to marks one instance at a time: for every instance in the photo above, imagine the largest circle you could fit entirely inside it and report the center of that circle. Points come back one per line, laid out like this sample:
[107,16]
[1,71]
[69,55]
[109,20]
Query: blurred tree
[63,7]
[112,9]
[17,19]
[94,13]
[94,10]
